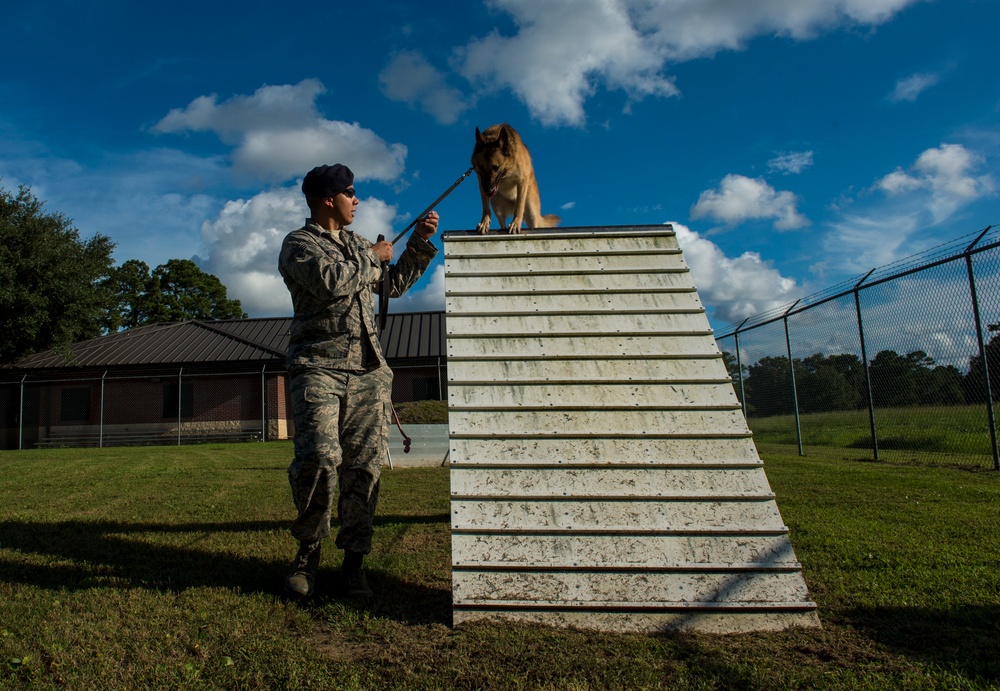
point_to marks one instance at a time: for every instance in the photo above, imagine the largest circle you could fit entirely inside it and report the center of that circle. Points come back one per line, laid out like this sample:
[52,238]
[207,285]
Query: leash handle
[383,294]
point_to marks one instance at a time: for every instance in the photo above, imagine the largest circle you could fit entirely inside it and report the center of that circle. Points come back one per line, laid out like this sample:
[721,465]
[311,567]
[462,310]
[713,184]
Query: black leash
[383,298]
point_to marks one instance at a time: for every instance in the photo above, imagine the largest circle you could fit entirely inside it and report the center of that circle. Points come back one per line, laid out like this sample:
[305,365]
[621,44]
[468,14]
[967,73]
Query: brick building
[188,382]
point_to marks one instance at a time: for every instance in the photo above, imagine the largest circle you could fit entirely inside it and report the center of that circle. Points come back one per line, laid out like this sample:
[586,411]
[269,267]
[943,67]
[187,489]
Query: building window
[75,405]
[170,400]
[426,389]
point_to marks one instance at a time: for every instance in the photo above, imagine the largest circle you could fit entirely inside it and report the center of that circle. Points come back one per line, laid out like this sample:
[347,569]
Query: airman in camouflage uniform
[340,383]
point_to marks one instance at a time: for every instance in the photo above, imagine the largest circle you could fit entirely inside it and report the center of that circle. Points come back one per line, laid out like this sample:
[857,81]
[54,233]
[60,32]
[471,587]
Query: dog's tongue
[494,190]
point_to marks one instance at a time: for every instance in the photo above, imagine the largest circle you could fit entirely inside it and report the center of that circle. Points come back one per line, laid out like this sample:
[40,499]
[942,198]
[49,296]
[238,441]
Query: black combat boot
[355,583]
[302,574]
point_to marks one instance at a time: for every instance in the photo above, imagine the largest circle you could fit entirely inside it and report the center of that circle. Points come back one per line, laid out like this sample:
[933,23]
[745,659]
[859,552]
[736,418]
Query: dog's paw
[514,228]
[484,227]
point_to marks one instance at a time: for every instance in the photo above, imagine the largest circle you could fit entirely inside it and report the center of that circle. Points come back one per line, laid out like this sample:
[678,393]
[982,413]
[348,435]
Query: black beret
[327,181]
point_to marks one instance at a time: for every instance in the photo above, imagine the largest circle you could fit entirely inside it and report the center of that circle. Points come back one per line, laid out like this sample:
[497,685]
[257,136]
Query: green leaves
[51,281]
[174,291]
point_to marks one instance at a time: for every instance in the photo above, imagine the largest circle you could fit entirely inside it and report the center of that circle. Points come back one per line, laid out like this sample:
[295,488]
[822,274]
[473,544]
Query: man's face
[343,205]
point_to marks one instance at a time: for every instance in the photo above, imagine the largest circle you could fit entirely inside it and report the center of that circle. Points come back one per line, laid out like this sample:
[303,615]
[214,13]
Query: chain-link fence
[154,407]
[890,364]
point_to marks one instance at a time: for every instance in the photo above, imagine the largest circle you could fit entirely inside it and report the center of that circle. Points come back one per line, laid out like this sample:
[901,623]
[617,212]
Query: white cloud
[430,298]
[733,288]
[791,162]
[909,89]
[939,185]
[410,78]
[740,198]
[947,172]
[564,50]
[277,132]
[560,55]
[244,240]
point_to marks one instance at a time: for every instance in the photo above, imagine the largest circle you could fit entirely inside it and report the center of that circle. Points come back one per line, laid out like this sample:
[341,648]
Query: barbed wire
[945,251]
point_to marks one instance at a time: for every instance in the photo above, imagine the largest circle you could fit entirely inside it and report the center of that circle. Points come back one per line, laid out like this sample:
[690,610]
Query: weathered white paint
[606,482]
[603,475]
[606,301]
[586,371]
[492,449]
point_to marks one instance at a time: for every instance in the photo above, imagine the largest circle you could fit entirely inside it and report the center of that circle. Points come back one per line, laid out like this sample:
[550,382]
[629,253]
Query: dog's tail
[549,221]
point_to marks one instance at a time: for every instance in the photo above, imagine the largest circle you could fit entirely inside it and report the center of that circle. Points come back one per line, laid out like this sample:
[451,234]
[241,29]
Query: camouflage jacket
[332,284]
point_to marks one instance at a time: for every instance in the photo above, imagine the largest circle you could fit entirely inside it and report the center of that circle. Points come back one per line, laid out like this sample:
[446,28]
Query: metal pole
[180,398]
[864,362]
[100,436]
[739,368]
[263,404]
[20,419]
[791,370]
[980,339]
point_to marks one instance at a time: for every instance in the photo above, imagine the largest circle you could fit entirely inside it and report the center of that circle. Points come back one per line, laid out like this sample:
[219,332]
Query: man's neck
[327,223]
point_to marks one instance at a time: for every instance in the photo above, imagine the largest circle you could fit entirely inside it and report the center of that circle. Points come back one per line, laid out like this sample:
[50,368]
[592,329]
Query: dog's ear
[479,136]
[503,138]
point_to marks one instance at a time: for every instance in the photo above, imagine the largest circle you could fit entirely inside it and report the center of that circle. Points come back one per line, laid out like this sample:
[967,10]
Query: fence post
[739,368]
[791,370]
[990,418]
[180,400]
[20,418]
[100,423]
[864,362]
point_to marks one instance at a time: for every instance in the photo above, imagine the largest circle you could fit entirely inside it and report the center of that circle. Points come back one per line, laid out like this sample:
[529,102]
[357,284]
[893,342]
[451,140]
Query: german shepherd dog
[507,181]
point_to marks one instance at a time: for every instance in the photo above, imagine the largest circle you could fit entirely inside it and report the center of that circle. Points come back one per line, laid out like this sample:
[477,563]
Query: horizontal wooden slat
[561,262]
[603,482]
[583,345]
[616,589]
[568,283]
[591,394]
[500,303]
[709,369]
[488,449]
[612,516]
[596,422]
[608,323]
[622,551]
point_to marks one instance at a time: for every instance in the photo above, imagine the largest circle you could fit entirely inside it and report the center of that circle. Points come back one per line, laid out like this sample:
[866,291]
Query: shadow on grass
[78,555]
[963,639]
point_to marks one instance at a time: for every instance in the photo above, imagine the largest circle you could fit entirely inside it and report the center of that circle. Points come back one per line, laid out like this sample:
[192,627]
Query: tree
[174,291]
[973,382]
[769,387]
[833,382]
[52,283]
[913,379]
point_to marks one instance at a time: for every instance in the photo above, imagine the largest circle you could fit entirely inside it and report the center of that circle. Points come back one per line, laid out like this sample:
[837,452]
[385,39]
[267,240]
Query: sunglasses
[350,193]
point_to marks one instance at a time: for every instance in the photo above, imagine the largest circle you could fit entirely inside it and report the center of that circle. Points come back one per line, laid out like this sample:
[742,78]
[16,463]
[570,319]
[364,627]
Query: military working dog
[507,181]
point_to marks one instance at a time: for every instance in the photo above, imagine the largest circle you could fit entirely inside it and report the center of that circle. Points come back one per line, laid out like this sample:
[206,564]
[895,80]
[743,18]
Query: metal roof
[265,340]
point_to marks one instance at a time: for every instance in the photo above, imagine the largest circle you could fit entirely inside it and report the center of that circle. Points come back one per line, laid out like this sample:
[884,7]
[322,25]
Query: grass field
[927,435]
[161,568]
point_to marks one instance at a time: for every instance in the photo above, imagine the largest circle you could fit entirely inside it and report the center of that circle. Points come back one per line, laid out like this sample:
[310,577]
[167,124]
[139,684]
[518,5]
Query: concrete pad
[428,447]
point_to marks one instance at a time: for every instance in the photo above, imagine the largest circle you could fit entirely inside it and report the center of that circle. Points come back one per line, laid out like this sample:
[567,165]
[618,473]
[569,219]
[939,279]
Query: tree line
[837,382]
[57,289]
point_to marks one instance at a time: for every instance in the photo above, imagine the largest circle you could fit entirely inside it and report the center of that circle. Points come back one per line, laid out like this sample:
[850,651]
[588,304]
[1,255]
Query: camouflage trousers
[341,437]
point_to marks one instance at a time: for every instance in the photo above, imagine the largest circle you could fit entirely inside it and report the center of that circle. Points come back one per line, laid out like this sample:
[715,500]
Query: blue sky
[793,143]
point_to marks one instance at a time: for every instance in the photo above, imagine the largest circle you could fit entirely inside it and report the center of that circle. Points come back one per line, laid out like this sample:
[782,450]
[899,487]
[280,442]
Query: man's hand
[383,250]
[427,226]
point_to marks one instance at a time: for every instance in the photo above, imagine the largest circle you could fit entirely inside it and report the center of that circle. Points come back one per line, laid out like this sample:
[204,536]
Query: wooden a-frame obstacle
[602,472]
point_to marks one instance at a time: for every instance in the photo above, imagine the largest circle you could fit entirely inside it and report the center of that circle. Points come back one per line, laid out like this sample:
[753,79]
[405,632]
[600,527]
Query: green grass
[423,412]
[927,435]
[162,567]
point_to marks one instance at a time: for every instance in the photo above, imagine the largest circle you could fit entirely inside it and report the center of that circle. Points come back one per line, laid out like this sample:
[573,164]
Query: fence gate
[602,473]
